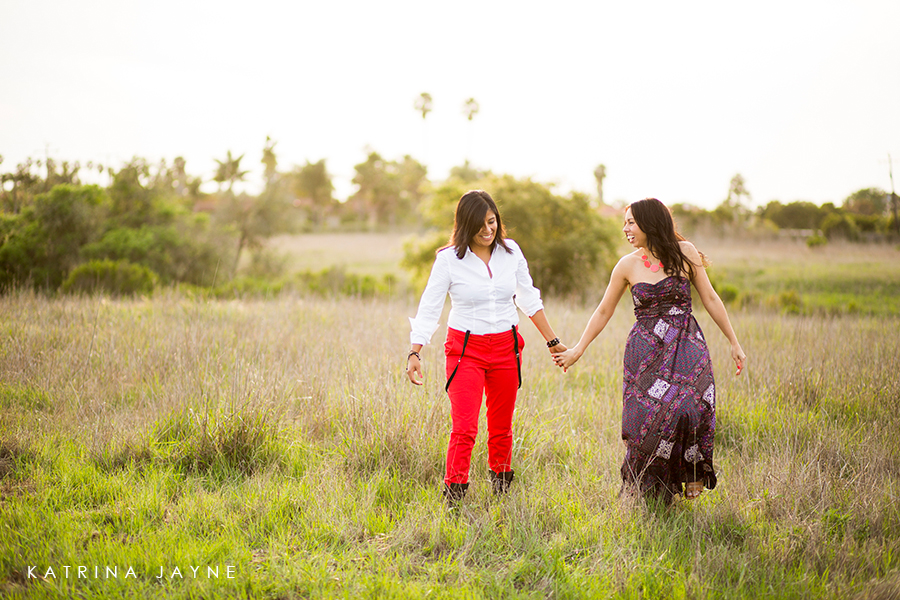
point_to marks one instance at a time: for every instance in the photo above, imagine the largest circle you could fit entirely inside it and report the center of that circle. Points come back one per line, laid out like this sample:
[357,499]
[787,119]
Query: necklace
[647,264]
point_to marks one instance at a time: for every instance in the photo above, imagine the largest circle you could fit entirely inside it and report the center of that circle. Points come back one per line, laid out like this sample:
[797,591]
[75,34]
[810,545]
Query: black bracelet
[553,342]
[413,353]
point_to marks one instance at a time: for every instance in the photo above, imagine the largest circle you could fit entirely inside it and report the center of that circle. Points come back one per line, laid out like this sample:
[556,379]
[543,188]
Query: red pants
[488,368]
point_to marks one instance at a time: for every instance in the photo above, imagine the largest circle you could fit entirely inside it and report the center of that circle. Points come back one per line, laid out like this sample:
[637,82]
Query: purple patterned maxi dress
[669,394]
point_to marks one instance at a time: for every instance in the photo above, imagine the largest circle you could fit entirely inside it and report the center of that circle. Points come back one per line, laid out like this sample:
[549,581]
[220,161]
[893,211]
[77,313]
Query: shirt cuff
[418,335]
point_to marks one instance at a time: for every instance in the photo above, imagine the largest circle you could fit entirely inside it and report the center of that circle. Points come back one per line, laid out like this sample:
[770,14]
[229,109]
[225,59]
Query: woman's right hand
[414,369]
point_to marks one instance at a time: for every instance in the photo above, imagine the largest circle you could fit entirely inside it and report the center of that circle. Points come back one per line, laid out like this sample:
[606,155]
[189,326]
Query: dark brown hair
[655,220]
[471,212]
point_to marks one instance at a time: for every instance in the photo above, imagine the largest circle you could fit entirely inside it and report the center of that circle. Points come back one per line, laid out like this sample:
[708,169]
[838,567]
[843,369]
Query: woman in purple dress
[669,404]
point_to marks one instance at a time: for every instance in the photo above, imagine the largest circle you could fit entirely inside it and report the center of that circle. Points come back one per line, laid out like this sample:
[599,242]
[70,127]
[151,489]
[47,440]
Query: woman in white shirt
[487,277]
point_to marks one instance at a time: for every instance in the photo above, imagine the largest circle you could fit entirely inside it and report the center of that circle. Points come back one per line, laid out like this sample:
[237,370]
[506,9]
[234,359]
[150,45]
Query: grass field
[272,448]
[838,278]
[374,254]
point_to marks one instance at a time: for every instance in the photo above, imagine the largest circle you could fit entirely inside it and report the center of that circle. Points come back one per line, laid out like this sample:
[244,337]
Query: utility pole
[894,199]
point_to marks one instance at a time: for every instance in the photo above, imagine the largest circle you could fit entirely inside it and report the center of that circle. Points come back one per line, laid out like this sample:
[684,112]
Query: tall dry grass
[282,435]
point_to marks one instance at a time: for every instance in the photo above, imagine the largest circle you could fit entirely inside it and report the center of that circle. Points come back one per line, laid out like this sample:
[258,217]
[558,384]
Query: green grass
[375,254]
[280,437]
[839,278]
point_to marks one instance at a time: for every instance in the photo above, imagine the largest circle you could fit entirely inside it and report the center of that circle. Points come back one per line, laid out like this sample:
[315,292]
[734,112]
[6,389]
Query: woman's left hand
[566,358]
[738,356]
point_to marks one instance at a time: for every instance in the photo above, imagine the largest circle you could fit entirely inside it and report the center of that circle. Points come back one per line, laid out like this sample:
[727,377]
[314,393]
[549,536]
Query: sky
[802,98]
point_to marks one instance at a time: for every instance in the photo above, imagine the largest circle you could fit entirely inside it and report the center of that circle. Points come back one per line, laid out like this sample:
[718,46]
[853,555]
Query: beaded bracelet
[553,342]
[413,353]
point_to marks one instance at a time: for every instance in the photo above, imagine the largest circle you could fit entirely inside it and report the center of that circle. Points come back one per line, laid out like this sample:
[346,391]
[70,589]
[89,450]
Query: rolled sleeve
[528,297]
[431,305]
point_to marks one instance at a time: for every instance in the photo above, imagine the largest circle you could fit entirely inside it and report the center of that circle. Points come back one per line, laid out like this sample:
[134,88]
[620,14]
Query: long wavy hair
[655,220]
[471,212]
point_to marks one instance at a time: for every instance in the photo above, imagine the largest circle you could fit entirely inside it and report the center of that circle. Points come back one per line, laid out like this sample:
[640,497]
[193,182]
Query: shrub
[795,215]
[728,293]
[871,223]
[184,251]
[790,301]
[569,246]
[418,255]
[117,278]
[816,240]
[41,244]
[838,226]
[337,281]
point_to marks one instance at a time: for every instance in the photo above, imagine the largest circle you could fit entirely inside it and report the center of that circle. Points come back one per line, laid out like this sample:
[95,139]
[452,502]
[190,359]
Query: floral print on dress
[659,388]
[664,450]
[693,454]
[668,413]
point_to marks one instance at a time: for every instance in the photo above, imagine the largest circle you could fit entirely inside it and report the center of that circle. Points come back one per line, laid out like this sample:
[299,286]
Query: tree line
[152,224]
[868,214]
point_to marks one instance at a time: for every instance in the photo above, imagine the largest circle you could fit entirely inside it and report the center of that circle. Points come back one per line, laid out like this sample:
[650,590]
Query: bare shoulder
[626,266]
[628,260]
[688,246]
[690,251]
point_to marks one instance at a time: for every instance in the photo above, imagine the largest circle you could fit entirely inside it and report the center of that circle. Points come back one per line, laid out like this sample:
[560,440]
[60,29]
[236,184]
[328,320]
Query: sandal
[692,489]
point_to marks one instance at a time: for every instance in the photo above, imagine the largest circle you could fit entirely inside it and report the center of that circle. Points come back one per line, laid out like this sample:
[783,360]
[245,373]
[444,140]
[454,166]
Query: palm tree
[229,171]
[600,175]
[470,109]
[270,161]
[423,105]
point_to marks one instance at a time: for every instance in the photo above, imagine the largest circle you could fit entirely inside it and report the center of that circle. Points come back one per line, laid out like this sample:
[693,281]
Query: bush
[418,255]
[795,215]
[790,301]
[569,246]
[184,251]
[41,244]
[838,226]
[816,240]
[330,282]
[117,278]
[871,223]
[728,293]
[337,281]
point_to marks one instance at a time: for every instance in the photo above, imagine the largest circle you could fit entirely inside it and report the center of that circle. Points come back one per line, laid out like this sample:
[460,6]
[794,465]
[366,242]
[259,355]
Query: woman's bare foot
[692,489]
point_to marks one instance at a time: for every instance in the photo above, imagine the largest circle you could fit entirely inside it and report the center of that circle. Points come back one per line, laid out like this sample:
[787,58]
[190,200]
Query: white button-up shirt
[480,303]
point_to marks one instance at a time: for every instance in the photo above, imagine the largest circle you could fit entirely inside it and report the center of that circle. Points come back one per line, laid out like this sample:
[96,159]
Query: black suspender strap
[453,374]
[518,357]
[515,334]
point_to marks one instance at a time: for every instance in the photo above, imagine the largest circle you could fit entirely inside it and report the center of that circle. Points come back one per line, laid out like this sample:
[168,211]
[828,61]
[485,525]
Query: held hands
[559,347]
[566,358]
[555,350]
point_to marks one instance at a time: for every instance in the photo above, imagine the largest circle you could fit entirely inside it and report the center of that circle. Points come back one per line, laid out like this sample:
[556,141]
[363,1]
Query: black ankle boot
[500,481]
[454,493]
